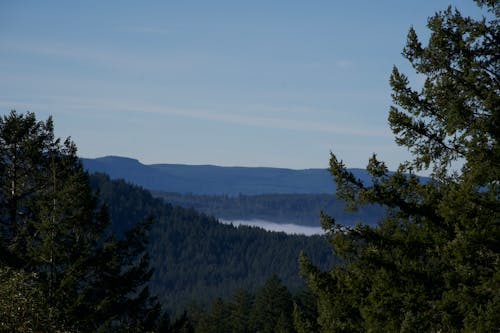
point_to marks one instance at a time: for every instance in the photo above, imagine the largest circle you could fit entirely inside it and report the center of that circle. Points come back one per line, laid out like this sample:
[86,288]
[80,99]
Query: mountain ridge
[196,258]
[218,180]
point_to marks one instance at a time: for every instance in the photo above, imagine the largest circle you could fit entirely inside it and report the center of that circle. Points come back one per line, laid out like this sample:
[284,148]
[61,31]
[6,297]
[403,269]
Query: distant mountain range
[210,179]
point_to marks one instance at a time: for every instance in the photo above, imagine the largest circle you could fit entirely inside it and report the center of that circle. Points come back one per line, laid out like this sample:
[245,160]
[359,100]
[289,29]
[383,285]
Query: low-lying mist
[279,227]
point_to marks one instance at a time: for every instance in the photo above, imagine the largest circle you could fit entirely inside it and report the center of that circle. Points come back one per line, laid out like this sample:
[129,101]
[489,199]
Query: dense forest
[196,258]
[302,209]
[82,253]
[272,308]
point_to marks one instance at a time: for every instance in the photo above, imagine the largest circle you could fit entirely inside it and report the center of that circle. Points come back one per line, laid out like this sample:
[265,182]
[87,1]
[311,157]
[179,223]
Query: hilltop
[217,180]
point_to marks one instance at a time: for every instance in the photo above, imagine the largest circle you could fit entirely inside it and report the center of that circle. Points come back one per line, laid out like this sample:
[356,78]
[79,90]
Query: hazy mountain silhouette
[210,179]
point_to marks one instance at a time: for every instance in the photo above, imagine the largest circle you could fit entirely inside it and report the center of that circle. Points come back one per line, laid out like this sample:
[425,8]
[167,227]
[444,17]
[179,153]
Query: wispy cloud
[73,52]
[254,119]
[144,30]
[344,63]
[99,55]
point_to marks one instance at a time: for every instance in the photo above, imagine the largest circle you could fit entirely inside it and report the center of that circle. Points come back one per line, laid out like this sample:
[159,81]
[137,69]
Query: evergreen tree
[197,259]
[24,146]
[51,227]
[305,312]
[240,308]
[433,263]
[22,304]
[273,309]
[217,320]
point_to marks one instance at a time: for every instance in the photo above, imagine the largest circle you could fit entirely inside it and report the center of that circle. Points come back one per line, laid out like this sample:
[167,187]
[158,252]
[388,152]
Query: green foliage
[217,320]
[305,312]
[269,310]
[273,308]
[23,307]
[196,258]
[240,307]
[55,240]
[302,209]
[433,262]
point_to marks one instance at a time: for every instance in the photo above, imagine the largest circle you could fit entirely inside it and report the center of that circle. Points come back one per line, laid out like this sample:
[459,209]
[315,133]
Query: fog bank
[271,226]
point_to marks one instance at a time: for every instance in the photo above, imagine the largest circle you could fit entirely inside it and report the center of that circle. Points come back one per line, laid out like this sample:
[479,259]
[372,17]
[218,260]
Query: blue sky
[248,83]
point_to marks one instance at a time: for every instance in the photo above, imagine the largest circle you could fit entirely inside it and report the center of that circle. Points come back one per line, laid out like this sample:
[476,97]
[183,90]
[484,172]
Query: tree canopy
[56,249]
[432,264]
[196,258]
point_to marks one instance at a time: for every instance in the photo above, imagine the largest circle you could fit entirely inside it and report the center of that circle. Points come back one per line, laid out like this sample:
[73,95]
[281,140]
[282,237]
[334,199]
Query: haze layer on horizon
[260,83]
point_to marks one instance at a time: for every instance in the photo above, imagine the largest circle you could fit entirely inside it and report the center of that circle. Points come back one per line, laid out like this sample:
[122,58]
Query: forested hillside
[302,209]
[210,179]
[196,258]
[85,253]
[82,253]
[272,308]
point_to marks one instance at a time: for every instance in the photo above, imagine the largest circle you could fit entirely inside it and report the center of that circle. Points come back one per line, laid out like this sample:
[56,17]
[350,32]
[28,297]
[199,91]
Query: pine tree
[23,307]
[305,312]
[240,308]
[218,318]
[433,263]
[24,145]
[273,308]
[52,227]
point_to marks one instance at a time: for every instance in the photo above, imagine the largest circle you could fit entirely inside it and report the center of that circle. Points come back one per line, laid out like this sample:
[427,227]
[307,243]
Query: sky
[232,83]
